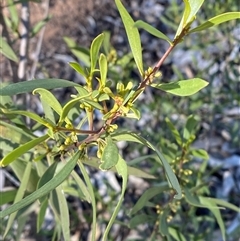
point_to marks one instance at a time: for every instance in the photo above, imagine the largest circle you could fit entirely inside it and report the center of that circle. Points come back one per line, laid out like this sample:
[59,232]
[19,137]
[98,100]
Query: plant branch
[24,32]
[84,132]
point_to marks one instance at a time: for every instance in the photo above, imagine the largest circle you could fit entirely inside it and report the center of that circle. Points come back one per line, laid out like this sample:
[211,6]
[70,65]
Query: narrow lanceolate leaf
[150,29]
[103,69]
[69,106]
[174,131]
[21,150]
[78,68]
[46,177]
[94,50]
[37,27]
[183,87]
[93,200]
[31,115]
[132,137]
[92,103]
[19,196]
[122,171]
[224,203]
[82,189]
[49,98]
[195,5]
[186,13]
[7,51]
[110,155]
[64,213]
[176,234]
[45,189]
[12,8]
[190,10]
[41,214]
[163,225]
[29,86]
[216,212]
[222,18]
[133,36]
[147,195]
[170,175]
[195,201]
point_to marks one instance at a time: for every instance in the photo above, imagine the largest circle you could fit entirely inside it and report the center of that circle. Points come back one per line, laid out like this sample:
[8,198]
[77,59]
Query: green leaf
[64,214]
[49,98]
[70,105]
[82,91]
[93,200]
[103,69]
[216,20]
[190,10]
[182,87]
[46,177]
[147,195]
[139,173]
[19,196]
[134,114]
[176,234]
[133,36]
[195,5]
[48,187]
[123,172]
[7,51]
[19,167]
[190,128]
[21,150]
[41,213]
[163,225]
[224,203]
[7,196]
[183,22]
[110,155]
[92,103]
[49,114]
[30,85]
[103,97]
[196,201]
[216,212]
[82,189]
[14,14]
[37,27]
[94,50]
[200,153]
[107,42]
[29,114]
[174,131]
[150,29]
[170,175]
[14,133]
[141,219]
[78,68]
[132,137]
